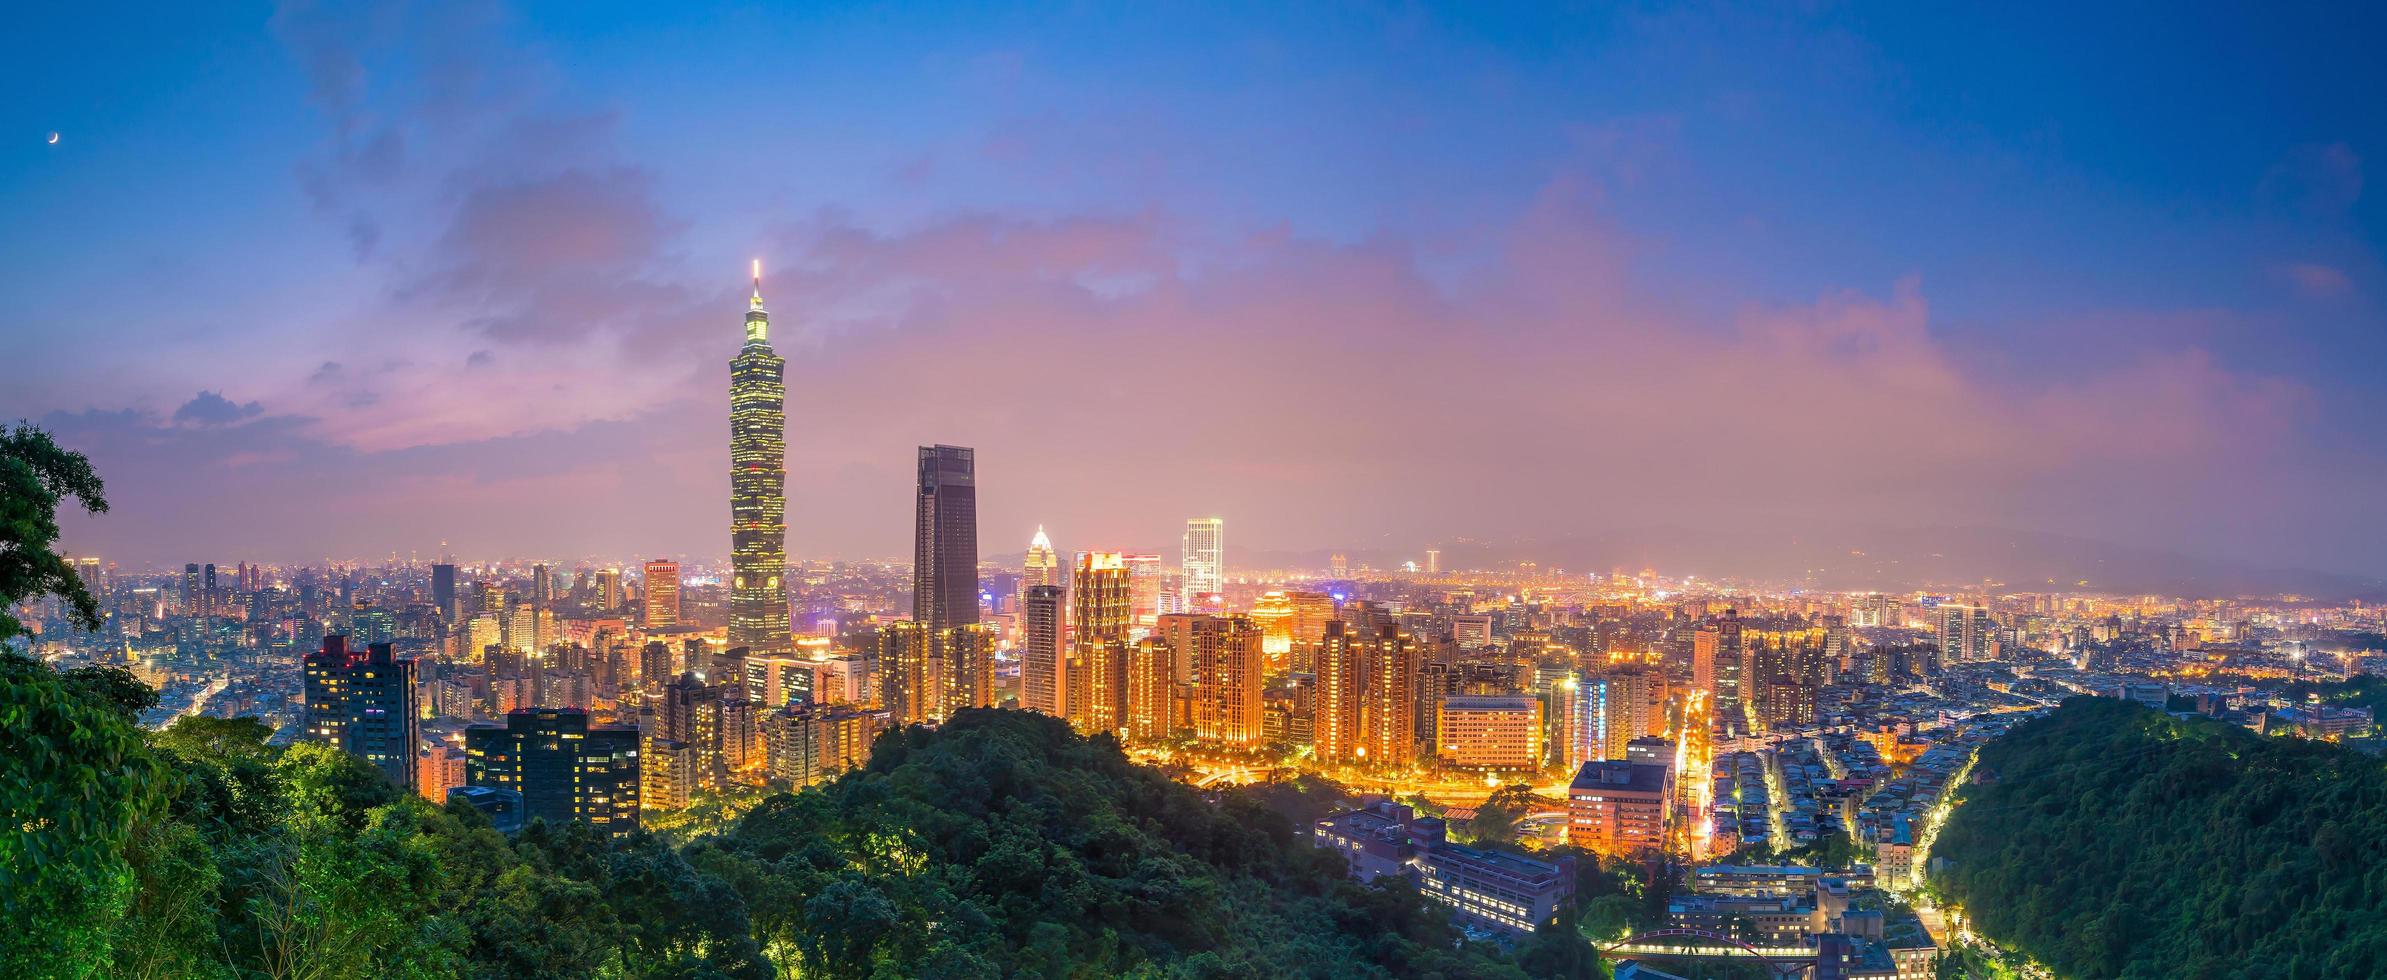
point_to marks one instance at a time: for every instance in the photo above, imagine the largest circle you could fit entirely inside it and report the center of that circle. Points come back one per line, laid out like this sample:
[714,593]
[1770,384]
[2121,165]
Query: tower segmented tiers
[758,486]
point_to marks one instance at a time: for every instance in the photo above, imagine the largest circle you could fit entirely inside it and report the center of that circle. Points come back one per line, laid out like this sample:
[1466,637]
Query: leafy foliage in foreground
[2114,841]
[1004,844]
[1000,845]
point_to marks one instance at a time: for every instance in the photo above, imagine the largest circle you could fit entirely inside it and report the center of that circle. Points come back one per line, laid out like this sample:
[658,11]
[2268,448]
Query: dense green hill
[1002,844]
[2108,840]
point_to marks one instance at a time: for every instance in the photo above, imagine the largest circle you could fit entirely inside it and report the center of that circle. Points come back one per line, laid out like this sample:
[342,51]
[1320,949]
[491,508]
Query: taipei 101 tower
[758,486]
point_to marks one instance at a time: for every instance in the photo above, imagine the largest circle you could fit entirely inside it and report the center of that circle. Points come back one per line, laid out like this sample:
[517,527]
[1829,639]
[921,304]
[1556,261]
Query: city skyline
[499,271]
[1849,492]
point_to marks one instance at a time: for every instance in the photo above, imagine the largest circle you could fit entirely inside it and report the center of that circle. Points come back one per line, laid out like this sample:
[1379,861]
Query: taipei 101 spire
[758,486]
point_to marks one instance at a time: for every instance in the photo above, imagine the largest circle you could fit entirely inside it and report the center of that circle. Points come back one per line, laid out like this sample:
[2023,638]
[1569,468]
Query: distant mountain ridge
[1874,558]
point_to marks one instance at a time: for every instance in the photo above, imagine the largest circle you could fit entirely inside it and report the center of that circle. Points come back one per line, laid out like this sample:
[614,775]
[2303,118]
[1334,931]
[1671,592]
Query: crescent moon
[53,139]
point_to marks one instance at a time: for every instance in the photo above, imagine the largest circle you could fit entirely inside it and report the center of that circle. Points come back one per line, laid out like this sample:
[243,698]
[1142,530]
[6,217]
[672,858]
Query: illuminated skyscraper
[363,702]
[1146,586]
[1042,566]
[1390,716]
[758,487]
[1224,657]
[945,539]
[443,590]
[910,687]
[1043,671]
[609,589]
[1203,557]
[1433,561]
[564,769]
[1096,686]
[661,604]
[1716,666]
[1151,691]
[1337,722]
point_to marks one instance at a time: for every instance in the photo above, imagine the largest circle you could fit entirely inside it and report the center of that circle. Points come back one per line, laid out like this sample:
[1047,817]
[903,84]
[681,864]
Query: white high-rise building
[1042,566]
[1204,565]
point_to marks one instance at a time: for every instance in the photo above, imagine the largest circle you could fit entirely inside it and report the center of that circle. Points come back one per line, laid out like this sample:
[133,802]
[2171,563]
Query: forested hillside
[2109,840]
[1002,844]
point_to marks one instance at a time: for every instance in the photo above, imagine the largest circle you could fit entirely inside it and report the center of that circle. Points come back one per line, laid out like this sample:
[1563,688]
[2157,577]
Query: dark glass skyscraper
[363,701]
[564,769]
[758,487]
[945,539]
[443,589]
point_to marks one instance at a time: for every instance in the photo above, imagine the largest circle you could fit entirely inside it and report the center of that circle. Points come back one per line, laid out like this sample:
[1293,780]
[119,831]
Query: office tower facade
[363,703]
[1222,657]
[1147,590]
[1433,561]
[437,770]
[564,769]
[191,590]
[1151,709]
[1493,732]
[660,604]
[966,656]
[706,716]
[443,591]
[1095,688]
[1041,565]
[812,743]
[926,677]
[1619,807]
[1203,557]
[945,539]
[1716,654]
[909,686]
[1043,669]
[1336,730]
[1390,679]
[1967,634]
[758,618]
[542,584]
[609,589]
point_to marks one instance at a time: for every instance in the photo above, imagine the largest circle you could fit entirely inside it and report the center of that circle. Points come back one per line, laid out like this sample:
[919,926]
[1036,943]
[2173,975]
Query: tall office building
[1147,590]
[1041,566]
[363,702]
[758,617]
[1204,556]
[443,589]
[910,687]
[542,583]
[1152,710]
[1336,722]
[1716,666]
[1966,634]
[1096,685]
[1222,655]
[660,607]
[945,539]
[190,589]
[564,769]
[1433,561]
[1390,672]
[1043,669]
[609,589]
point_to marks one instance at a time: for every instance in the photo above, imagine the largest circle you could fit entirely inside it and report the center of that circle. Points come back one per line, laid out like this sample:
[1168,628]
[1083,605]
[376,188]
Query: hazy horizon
[334,282]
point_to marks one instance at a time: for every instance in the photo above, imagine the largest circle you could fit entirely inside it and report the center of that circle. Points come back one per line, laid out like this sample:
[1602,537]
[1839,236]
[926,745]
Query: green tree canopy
[36,475]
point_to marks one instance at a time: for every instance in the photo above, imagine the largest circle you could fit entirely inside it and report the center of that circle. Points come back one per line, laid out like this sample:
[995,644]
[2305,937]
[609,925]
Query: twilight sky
[340,279]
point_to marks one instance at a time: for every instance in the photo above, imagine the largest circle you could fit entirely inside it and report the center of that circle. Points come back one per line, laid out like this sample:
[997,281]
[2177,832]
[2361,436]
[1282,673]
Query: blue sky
[457,230]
